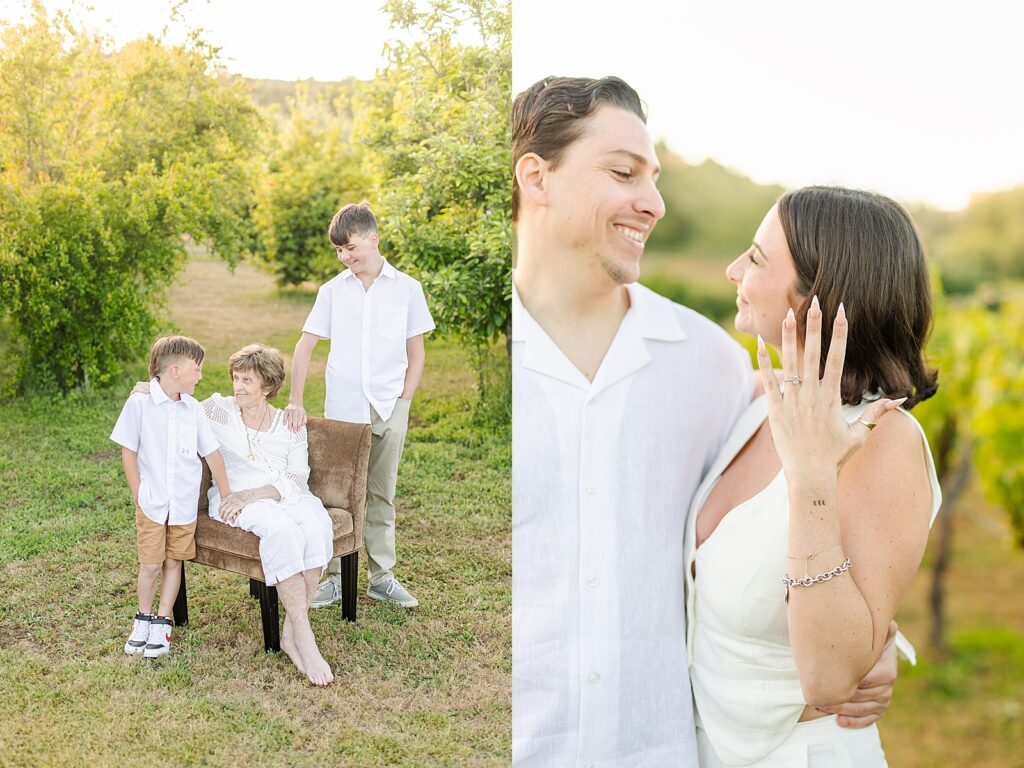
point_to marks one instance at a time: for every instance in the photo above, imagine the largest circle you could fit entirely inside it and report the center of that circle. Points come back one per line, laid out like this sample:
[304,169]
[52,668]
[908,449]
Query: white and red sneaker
[159,642]
[140,635]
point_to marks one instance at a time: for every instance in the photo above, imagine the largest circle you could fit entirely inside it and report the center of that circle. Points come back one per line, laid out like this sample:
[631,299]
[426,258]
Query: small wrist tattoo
[818,503]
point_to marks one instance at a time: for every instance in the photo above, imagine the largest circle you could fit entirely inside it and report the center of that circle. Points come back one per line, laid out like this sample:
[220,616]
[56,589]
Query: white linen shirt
[602,476]
[279,456]
[166,434]
[368,330]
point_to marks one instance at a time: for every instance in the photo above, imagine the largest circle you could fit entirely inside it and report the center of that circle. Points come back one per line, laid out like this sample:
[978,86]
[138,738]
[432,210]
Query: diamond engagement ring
[791,380]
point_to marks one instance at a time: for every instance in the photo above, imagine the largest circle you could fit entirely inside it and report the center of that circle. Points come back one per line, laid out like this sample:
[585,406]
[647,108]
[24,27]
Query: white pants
[817,743]
[293,537]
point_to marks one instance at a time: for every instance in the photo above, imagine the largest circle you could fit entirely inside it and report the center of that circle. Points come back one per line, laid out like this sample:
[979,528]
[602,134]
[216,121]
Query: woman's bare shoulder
[890,470]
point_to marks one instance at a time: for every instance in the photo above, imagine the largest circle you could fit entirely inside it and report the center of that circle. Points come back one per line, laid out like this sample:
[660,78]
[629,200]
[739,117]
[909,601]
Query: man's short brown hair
[352,219]
[551,114]
[167,349]
[265,361]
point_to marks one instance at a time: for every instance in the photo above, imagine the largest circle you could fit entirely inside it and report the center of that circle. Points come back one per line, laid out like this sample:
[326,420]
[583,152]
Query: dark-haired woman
[807,531]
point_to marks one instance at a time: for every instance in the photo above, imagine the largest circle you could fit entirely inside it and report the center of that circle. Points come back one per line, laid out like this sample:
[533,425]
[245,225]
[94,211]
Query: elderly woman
[268,469]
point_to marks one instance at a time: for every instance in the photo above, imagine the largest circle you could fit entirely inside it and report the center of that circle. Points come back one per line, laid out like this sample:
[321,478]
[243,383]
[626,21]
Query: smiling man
[621,402]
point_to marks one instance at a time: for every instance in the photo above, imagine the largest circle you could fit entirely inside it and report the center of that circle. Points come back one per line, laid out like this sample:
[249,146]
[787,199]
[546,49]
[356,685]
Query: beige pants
[381,480]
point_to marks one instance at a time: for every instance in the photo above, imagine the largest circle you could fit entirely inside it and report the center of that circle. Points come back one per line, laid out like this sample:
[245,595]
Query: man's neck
[371,274]
[580,308]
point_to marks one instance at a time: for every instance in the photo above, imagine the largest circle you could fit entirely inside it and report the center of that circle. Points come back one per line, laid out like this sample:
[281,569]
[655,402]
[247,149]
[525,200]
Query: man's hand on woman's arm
[874,694]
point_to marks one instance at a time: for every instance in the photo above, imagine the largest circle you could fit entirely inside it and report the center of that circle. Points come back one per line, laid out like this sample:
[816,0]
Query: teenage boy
[375,317]
[621,401]
[160,435]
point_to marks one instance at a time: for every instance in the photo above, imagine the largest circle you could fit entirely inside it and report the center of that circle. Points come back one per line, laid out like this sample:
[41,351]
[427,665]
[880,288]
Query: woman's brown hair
[862,249]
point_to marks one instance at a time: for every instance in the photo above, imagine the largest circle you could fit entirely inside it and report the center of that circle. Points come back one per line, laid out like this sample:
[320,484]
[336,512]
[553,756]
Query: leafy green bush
[312,171]
[717,306]
[107,159]
[999,419]
[436,123]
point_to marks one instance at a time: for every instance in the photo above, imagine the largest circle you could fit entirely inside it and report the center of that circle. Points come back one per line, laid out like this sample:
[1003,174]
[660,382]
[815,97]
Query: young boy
[375,317]
[160,434]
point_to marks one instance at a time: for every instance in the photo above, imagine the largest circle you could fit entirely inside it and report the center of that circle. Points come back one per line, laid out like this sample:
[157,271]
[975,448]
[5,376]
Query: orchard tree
[975,422]
[109,159]
[999,416]
[436,123]
[312,170]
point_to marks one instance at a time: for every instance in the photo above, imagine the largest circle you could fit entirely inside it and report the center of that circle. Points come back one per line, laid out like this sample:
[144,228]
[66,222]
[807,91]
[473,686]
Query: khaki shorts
[155,542]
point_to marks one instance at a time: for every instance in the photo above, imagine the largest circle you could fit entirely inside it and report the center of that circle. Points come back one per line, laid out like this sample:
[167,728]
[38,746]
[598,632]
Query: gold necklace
[252,454]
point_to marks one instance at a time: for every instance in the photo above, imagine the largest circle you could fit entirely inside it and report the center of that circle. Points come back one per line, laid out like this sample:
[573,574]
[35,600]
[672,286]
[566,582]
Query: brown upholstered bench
[338,456]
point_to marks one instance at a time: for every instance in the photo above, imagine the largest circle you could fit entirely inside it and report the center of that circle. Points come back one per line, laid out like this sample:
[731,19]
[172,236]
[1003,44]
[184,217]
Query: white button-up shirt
[167,435]
[368,329]
[602,476]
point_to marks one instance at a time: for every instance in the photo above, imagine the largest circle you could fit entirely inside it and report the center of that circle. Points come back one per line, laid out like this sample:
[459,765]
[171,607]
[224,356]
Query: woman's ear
[532,176]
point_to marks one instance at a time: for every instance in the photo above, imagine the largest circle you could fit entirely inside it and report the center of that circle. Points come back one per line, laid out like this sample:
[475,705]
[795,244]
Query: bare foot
[288,646]
[315,668]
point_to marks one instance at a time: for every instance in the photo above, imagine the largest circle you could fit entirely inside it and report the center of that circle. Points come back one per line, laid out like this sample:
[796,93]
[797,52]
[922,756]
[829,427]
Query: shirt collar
[156,392]
[649,316]
[385,271]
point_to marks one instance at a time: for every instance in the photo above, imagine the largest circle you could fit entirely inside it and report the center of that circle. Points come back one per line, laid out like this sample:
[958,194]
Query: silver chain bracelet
[809,581]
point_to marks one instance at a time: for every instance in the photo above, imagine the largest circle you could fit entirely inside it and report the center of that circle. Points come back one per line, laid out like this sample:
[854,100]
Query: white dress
[296,533]
[744,679]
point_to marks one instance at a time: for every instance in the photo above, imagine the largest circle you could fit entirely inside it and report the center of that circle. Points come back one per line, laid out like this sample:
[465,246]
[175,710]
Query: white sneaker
[159,642]
[140,635]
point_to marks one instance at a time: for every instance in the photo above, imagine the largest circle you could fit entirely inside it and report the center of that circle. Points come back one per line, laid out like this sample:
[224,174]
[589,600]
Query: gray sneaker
[392,592]
[328,593]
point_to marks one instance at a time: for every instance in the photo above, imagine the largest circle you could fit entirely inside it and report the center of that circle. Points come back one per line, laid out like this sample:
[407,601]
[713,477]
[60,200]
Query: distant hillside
[271,93]
[711,211]
[983,242]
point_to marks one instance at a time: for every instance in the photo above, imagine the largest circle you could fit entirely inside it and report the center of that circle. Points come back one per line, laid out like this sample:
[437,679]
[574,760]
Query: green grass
[425,687]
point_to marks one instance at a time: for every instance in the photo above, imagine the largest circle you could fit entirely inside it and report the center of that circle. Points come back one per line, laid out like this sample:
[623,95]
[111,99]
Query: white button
[588,765]
[593,581]
[594,677]
[591,488]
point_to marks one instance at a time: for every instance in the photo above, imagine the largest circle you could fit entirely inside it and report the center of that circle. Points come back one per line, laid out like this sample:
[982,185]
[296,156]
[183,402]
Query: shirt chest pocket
[187,435]
[391,321]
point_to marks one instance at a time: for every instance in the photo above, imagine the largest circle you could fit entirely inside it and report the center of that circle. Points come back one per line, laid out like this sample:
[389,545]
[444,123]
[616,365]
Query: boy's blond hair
[168,349]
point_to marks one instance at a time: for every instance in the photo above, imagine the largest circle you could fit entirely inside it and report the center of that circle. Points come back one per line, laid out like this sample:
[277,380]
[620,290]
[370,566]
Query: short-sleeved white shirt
[602,477]
[168,436]
[368,330]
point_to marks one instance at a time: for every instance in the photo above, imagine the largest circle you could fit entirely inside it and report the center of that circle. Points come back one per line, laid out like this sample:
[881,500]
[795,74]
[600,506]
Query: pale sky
[272,39]
[917,99]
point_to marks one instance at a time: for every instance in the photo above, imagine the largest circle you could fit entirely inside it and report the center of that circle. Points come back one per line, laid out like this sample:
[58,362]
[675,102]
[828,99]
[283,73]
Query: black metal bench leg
[269,615]
[349,584]
[181,602]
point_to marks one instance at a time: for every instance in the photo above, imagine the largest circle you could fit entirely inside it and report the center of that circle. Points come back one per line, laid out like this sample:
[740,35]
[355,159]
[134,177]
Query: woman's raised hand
[810,433]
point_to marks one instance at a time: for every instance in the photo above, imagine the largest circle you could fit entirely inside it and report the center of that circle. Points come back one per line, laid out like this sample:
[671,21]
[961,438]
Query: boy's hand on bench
[294,417]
